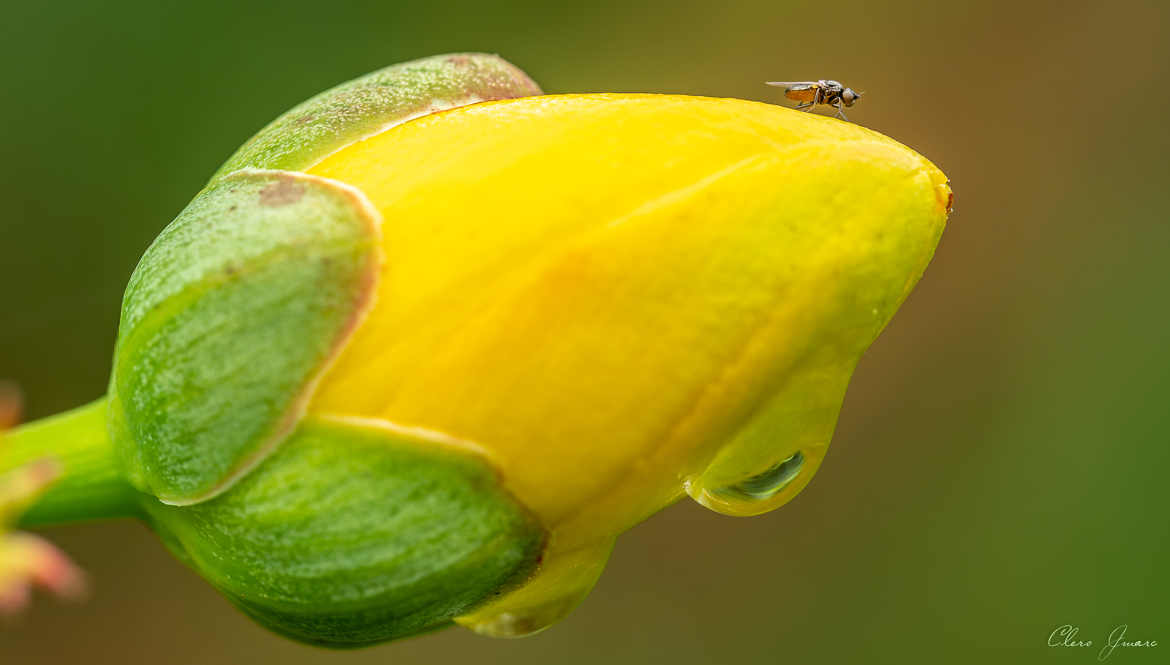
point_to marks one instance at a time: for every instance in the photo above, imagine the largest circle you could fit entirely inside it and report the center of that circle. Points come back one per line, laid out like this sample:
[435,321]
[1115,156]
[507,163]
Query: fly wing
[799,91]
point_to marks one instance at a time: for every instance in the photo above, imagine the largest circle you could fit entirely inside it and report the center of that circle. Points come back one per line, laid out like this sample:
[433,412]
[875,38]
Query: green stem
[91,485]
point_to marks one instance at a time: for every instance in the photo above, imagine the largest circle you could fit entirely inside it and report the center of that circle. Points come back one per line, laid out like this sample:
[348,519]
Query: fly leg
[841,111]
[818,98]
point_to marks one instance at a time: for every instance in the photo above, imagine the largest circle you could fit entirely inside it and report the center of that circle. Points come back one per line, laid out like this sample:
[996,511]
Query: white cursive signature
[1066,636]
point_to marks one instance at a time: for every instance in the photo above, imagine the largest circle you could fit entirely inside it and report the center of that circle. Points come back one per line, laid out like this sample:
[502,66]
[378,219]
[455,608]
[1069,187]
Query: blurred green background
[1000,467]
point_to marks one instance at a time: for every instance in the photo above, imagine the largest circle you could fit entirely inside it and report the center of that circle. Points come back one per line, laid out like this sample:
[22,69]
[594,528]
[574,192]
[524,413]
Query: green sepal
[353,534]
[375,102]
[228,320]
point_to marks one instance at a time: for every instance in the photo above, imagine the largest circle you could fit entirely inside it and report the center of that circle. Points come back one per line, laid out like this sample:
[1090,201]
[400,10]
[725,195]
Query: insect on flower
[824,91]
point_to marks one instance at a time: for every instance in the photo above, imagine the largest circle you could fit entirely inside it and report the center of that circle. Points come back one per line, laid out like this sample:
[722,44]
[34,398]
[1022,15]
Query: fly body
[824,92]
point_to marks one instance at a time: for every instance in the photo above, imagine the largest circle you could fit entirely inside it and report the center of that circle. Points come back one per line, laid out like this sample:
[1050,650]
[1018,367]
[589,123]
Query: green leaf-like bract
[351,535]
[230,316]
[372,103]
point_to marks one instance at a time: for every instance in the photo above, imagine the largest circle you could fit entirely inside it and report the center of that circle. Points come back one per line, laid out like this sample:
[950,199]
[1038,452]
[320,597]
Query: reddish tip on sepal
[28,561]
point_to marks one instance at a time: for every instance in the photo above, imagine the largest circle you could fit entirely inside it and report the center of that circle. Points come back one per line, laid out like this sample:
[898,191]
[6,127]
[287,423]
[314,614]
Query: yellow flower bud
[619,298]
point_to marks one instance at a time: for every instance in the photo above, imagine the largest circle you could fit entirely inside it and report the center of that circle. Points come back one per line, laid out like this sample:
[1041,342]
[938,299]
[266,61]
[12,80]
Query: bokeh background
[1001,463]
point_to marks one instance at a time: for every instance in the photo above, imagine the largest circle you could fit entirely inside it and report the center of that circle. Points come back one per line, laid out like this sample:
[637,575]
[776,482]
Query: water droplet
[764,486]
[760,492]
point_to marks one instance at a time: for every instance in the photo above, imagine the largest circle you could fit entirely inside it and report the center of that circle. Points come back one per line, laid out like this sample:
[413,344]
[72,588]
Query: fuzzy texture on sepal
[228,320]
[353,534]
[375,102]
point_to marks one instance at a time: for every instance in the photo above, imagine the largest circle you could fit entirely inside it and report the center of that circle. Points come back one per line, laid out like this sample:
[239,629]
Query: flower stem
[90,484]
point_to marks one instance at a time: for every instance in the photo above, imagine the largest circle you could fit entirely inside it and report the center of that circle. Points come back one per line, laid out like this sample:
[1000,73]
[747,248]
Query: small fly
[811,93]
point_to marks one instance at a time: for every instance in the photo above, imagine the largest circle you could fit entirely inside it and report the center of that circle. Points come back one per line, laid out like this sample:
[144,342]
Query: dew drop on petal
[758,493]
[764,486]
